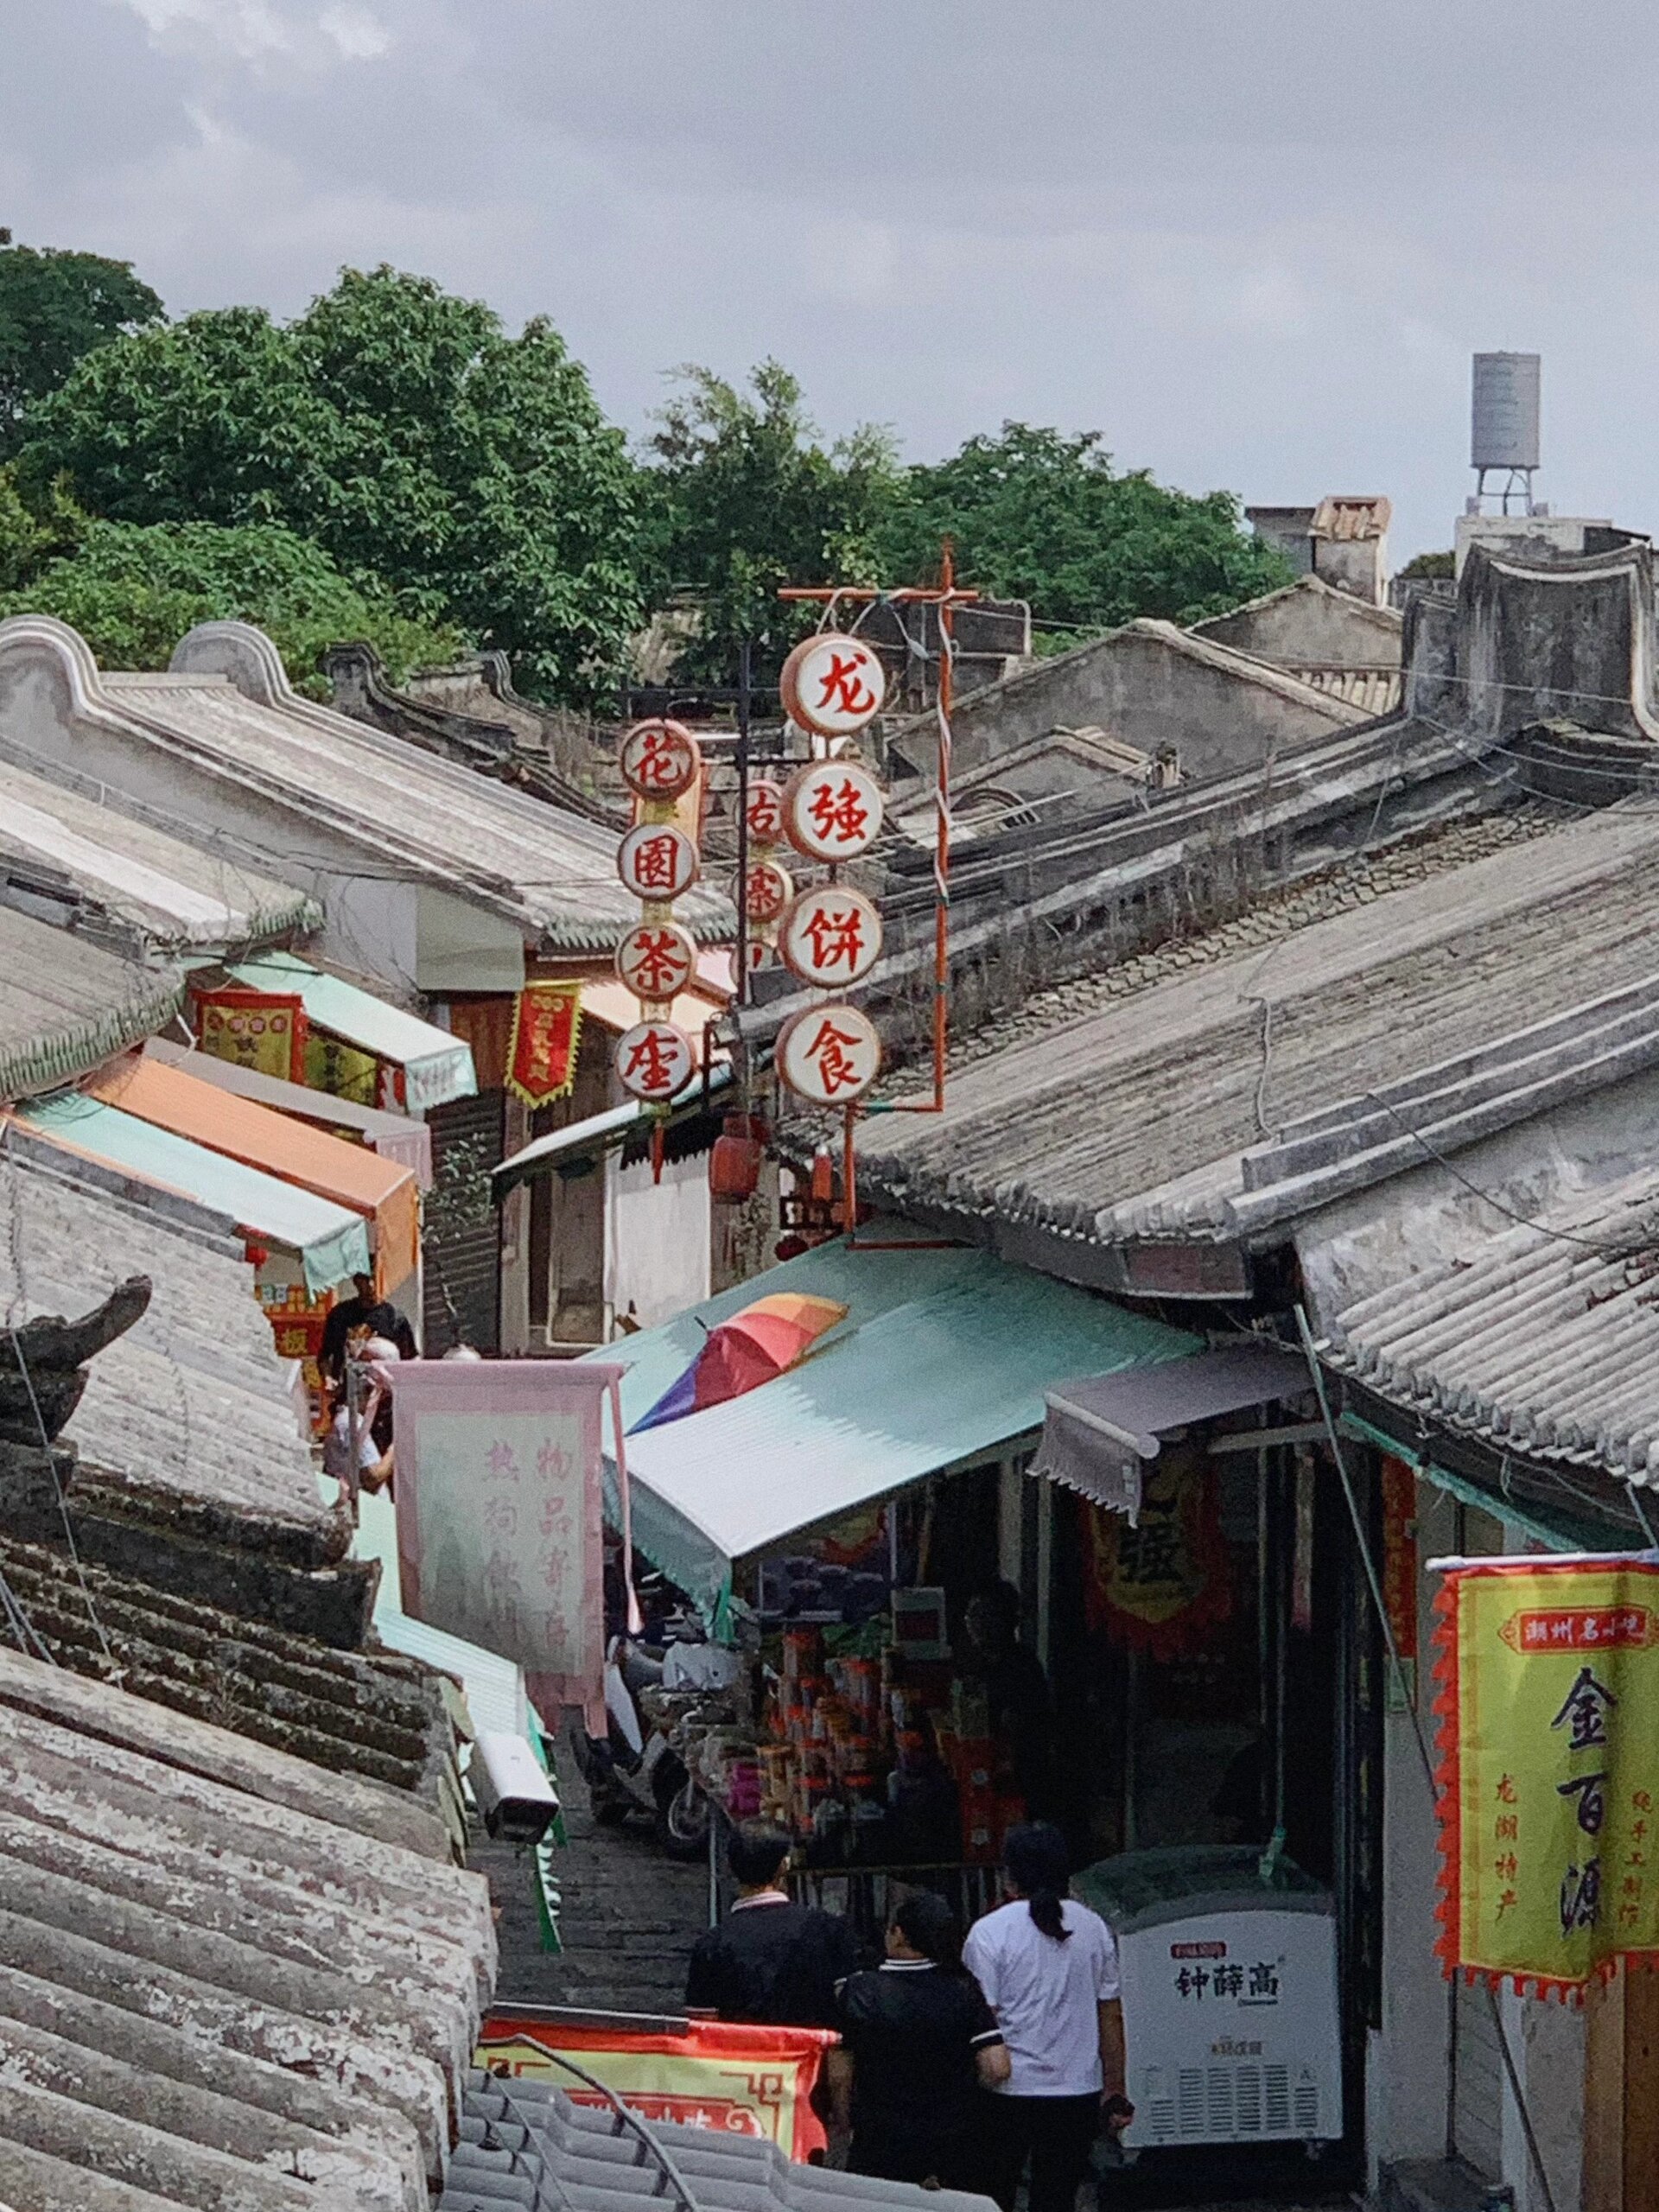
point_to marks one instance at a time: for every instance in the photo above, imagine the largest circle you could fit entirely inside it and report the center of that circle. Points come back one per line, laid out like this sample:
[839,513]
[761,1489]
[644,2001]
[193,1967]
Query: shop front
[1003,1551]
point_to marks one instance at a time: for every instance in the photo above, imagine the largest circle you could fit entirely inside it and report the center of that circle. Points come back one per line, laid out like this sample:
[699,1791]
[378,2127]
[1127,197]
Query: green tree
[1423,567]
[1037,515]
[55,308]
[401,428]
[132,590]
[742,495]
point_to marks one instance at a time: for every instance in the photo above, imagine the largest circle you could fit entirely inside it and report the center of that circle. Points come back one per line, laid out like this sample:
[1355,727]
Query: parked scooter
[635,1769]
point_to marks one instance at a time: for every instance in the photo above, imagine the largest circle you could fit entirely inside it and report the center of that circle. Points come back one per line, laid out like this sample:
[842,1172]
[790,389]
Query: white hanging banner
[499,1498]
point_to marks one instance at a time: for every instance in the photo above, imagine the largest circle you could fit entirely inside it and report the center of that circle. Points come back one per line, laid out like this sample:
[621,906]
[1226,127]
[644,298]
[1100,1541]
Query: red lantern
[735,1162]
[824,1176]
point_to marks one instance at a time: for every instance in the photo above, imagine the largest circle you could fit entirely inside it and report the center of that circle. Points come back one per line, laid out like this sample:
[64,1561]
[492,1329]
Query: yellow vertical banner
[1547,1675]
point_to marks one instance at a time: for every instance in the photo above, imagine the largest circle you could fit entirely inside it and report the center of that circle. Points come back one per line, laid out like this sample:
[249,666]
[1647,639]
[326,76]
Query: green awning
[331,1242]
[436,1067]
[944,1355]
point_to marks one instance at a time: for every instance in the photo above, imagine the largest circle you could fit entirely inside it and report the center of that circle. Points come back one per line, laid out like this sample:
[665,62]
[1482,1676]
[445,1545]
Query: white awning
[1099,1430]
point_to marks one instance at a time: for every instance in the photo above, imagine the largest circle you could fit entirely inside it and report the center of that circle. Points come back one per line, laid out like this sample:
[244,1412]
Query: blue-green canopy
[944,1355]
[333,1243]
[436,1067]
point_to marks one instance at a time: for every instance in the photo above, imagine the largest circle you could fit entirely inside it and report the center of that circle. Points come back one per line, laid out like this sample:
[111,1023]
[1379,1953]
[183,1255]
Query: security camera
[515,1799]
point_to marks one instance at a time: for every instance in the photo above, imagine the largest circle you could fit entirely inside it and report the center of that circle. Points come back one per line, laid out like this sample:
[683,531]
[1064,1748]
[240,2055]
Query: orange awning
[382,1190]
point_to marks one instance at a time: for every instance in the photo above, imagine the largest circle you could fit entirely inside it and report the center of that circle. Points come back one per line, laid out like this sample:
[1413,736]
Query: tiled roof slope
[192,1400]
[66,1005]
[525,2144]
[1133,1121]
[371,1714]
[226,1978]
[1540,1339]
[137,881]
[408,812]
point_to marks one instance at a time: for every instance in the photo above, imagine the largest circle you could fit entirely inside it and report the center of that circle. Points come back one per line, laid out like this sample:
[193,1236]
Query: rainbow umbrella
[763,1341]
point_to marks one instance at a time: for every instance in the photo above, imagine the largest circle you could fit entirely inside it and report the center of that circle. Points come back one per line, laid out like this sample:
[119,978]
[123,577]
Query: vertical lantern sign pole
[947,597]
[658,861]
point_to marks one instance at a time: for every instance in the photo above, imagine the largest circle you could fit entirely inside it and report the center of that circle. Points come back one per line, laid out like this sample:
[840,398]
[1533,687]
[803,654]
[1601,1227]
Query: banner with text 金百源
[1547,1675]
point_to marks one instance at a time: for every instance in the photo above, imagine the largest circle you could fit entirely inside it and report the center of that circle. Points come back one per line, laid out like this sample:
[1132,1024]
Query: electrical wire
[1362,1538]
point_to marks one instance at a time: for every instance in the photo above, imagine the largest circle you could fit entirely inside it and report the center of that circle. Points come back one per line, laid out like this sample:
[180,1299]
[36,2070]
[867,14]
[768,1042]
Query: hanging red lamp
[822,1184]
[735,1162]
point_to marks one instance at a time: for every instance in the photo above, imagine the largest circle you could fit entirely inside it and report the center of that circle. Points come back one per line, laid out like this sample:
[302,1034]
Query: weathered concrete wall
[1149,684]
[1407,2068]
[1573,639]
[1359,565]
[1310,625]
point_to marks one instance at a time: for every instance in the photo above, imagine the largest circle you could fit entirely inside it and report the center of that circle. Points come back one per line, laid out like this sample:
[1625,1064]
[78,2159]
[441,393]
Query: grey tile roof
[1542,1340]
[137,881]
[1163,1115]
[194,1400]
[525,2144]
[374,1713]
[412,816]
[226,1978]
[66,1004]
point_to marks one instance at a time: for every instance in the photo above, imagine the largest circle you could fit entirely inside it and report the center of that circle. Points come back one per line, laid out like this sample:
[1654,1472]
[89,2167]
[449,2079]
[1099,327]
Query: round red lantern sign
[832,685]
[657,861]
[766,811]
[654,1061]
[832,811]
[828,1055]
[832,937]
[659,760]
[656,961]
[767,890]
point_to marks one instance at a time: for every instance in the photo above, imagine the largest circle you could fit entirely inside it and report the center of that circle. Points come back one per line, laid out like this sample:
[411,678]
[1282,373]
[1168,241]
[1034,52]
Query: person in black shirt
[920,2043]
[363,1311]
[771,1961]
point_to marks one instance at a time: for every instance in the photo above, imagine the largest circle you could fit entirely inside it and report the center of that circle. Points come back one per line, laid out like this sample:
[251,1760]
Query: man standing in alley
[771,1961]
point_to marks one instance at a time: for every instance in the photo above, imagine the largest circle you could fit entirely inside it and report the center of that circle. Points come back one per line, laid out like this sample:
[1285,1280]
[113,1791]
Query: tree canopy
[742,495]
[399,428]
[56,306]
[132,590]
[1038,515]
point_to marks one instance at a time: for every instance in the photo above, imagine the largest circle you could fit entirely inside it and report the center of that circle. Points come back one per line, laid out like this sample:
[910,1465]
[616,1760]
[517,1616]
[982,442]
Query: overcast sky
[1252,242]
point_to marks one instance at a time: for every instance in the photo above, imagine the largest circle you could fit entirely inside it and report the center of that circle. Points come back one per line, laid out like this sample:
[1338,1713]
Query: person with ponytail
[918,2043]
[1048,1968]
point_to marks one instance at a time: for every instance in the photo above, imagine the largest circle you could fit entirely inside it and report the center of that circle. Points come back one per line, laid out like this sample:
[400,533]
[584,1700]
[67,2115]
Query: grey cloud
[1252,245]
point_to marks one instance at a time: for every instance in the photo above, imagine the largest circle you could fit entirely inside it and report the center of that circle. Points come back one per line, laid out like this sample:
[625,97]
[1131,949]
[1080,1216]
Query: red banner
[732,2080]
[542,1053]
[263,1030]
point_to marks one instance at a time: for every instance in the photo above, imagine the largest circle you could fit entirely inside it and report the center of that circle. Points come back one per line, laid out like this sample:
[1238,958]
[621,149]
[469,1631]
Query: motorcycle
[635,1768]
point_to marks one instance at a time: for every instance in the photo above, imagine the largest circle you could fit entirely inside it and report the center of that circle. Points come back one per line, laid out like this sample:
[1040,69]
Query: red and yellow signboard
[1548,1679]
[732,2080]
[263,1030]
[542,1053]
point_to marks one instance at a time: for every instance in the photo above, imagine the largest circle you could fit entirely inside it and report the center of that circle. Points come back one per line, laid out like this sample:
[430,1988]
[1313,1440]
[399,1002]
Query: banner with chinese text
[1548,1680]
[262,1030]
[734,2080]
[1161,1583]
[542,1053]
[499,1498]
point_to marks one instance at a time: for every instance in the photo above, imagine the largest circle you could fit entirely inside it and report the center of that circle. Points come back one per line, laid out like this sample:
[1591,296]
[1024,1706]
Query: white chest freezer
[1229,1996]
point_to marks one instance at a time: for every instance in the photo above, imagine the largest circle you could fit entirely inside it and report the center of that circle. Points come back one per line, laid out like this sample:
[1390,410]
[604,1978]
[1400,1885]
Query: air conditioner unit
[1230,1997]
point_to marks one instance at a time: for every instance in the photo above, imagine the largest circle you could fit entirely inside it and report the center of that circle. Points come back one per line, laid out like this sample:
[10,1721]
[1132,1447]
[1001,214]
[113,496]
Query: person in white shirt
[1048,1968]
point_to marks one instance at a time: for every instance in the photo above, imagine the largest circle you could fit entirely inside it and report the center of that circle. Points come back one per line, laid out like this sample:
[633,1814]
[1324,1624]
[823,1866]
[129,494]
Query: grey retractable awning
[1100,1429]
